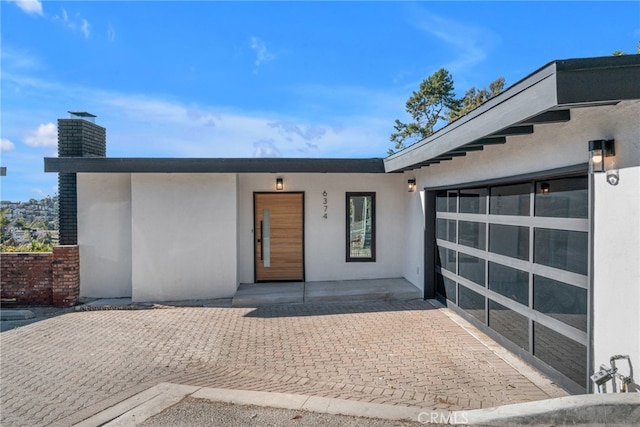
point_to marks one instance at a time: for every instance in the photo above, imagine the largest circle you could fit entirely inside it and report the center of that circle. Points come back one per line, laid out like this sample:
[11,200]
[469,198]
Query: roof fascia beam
[552,116]
[515,130]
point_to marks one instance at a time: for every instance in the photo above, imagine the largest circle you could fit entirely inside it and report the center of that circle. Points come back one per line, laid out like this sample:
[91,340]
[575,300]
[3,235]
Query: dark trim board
[211,165]
[581,168]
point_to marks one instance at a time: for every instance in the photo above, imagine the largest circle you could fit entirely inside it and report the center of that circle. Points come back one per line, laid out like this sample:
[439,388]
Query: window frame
[348,256]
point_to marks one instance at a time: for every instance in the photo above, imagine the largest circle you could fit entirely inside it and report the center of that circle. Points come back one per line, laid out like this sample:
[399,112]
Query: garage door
[515,258]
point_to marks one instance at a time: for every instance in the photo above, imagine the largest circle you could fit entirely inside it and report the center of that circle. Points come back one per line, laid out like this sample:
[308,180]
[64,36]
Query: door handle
[261,244]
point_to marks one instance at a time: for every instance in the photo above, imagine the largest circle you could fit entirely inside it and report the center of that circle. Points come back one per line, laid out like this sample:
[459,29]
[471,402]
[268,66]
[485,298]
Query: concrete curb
[16,314]
[587,409]
[148,403]
[584,410]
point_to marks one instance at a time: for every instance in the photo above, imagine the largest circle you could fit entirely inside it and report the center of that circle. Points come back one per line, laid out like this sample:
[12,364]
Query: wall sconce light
[279,184]
[545,187]
[599,149]
[411,184]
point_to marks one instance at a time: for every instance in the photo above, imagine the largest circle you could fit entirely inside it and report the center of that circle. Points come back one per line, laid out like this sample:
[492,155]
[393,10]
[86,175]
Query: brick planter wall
[65,289]
[41,278]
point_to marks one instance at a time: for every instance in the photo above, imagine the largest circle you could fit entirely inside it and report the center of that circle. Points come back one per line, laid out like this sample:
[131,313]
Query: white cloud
[85,28]
[45,136]
[305,132]
[29,6]
[261,51]
[6,145]
[75,23]
[266,148]
[470,44]
[111,33]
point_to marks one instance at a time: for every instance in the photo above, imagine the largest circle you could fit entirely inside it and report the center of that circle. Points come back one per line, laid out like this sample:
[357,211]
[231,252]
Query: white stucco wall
[414,219]
[616,266]
[104,235]
[183,236]
[325,238]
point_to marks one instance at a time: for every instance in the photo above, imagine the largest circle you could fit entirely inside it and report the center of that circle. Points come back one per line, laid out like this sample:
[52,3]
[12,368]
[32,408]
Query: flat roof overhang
[211,165]
[545,96]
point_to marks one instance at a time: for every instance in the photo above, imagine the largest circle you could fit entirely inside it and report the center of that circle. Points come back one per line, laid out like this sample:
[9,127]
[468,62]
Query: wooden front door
[279,236]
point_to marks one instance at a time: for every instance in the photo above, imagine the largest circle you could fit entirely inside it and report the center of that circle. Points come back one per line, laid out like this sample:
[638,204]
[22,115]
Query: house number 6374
[325,205]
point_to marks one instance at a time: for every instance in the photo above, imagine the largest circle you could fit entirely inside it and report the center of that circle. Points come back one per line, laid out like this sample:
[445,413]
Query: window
[361,227]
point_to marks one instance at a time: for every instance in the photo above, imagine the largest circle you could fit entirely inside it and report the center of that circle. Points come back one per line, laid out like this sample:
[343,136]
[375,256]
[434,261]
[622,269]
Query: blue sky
[263,79]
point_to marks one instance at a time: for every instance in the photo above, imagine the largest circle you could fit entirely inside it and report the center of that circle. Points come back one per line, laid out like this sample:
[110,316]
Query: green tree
[20,222]
[621,53]
[4,225]
[427,106]
[473,98]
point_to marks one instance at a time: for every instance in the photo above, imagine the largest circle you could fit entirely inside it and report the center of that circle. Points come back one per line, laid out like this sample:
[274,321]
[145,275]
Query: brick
[41,278]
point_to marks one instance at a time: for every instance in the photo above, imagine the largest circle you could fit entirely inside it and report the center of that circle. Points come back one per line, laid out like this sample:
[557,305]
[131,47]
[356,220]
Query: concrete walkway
[256,294]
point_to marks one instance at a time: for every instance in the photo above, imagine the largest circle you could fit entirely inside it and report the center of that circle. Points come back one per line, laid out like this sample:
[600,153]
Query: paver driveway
[67,368]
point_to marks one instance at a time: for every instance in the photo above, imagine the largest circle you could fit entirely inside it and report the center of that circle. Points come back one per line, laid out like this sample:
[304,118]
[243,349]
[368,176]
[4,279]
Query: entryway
[279,237]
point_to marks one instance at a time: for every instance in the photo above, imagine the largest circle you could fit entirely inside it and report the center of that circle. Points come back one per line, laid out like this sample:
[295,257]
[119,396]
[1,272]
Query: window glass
[561,353]
[562,249]
[509,240]
[510,282]
[471,268]
[510,200]
[472,234]
[562,198]
[446,258]
[509,324]
[446,201]
[446,229]
[446,287]
[561,301]
[361,211]
[471,302]
[473,201]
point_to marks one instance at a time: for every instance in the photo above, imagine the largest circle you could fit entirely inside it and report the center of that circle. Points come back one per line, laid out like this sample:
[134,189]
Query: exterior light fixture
[411,185]
[545,187]
[599,149]
[279,184]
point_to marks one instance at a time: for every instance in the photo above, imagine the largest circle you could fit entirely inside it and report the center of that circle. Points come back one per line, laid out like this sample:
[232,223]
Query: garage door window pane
[446,287]
[509,240]
[473,201]
[446,229]
[471,268]
[510,282]
[446,201]
[509,324]
[561,301]
[472,234]
[471,302]
[446,258]
[562,198]
[510,200]
[562,249]
[561,353]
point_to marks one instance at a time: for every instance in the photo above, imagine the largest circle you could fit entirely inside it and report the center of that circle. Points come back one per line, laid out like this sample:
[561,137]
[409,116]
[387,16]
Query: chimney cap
[83,115]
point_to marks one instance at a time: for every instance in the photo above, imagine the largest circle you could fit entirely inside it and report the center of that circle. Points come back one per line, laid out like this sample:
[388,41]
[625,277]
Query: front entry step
[256,294]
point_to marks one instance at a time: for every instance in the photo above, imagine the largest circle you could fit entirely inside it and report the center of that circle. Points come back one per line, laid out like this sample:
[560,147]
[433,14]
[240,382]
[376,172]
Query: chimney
[78,136]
